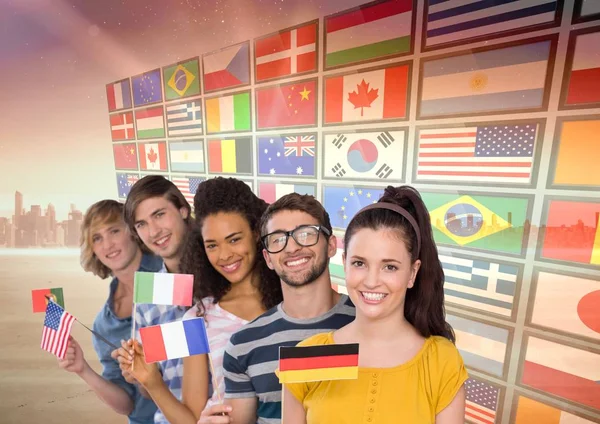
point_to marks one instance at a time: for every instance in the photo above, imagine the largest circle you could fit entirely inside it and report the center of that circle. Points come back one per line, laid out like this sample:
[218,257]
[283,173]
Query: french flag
[174,340]
[118,95]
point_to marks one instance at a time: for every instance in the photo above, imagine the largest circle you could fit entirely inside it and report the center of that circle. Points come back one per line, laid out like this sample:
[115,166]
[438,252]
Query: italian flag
[163,289]
[358,35]
[174,340]
[228,113]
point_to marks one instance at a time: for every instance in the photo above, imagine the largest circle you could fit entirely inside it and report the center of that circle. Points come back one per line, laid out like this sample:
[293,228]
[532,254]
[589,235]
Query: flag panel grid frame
[136,153]
[228,93]
[507,327]
[552,166]
[279,32]
[535,279]
[220,138]
[130,96]
[353,130]
[233,87]
[474,182]
[257,88]
[285,181]
[157,142]
[127,173]
[161,89]
[528,196]
[552,38]
[578,18]
[568,70]
[168,102]
[548,338]
[347,185]
[376,59]
[551,402]
[123,112]
[136,126]
[501,386]
[282,134]
[487,314]
[249,183]
[178,102]
[145,174]
[382,66]
[488,36]
[547,200]
[183,140]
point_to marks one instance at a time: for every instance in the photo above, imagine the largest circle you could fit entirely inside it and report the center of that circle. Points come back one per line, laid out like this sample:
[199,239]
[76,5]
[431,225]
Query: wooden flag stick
[214,377]
[133,329]
[215,382]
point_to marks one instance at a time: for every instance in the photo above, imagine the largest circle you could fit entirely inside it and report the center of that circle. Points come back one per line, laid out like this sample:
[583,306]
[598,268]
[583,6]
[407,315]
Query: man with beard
[298,241]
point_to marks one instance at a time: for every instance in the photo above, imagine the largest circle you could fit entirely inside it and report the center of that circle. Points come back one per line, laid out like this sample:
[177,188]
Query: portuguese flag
[39,298]
[318,363]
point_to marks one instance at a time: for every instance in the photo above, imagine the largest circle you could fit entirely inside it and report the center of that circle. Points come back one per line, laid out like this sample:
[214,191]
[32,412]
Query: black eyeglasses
[305,235]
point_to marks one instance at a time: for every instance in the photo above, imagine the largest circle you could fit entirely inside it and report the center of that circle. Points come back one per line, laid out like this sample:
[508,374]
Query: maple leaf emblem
[362,97]
[152,156]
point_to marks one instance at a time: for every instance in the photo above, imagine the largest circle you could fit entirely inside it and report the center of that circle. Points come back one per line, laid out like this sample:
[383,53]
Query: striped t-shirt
[252,355]
[220,325]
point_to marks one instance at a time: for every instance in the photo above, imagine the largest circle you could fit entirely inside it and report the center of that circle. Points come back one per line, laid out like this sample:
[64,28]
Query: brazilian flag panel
[493,223]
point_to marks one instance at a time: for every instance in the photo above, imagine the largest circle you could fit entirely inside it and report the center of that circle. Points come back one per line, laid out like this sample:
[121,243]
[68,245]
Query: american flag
[482,402]
[300,145]
[188,186]
[494,153]
[57,328]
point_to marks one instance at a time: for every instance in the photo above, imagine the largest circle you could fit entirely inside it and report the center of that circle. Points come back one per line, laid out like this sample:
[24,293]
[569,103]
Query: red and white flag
[121,126]
[57,329]
[153,156]
[287,52]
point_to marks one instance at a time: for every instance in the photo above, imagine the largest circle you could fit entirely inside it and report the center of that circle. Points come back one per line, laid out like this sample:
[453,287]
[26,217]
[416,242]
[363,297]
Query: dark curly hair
[226,195]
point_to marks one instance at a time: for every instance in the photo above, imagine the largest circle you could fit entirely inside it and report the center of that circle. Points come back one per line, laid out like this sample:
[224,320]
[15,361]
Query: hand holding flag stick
[50,299]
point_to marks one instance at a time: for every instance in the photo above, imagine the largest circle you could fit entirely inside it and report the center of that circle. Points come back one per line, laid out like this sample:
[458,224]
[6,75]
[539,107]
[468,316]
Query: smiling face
[377,278]
[298,265]
[230,245]
[161,226]
[113,246]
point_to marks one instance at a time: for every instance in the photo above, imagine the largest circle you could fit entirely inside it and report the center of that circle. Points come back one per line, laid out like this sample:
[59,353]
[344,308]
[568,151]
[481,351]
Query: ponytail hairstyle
[424,302]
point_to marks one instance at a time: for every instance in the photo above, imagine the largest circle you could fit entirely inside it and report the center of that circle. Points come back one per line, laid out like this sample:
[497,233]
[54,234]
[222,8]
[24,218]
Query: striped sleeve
[237,381]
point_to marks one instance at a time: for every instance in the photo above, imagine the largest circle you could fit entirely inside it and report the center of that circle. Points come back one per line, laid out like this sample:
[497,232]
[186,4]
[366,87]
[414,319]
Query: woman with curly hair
[232,286]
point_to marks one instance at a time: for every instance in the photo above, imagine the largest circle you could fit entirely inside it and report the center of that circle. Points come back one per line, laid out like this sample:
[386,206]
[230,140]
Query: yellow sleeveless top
[414,392]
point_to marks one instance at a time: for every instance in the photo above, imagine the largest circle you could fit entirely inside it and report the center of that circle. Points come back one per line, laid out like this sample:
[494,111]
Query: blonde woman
[109,250]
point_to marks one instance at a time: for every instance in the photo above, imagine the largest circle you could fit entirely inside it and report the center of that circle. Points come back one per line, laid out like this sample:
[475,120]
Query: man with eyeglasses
[298,241]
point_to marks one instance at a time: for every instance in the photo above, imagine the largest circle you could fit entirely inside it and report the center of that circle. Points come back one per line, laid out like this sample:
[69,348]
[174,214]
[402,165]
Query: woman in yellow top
[409,369]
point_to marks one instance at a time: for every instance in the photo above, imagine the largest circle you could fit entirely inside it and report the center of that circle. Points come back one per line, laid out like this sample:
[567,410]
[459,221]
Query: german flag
[318,363]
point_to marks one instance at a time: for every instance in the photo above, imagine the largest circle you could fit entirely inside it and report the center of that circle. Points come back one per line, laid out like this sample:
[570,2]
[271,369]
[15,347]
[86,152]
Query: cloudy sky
[56,56]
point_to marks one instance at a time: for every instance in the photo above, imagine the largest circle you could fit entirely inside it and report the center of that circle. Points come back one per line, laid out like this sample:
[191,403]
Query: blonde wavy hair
[104,212]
